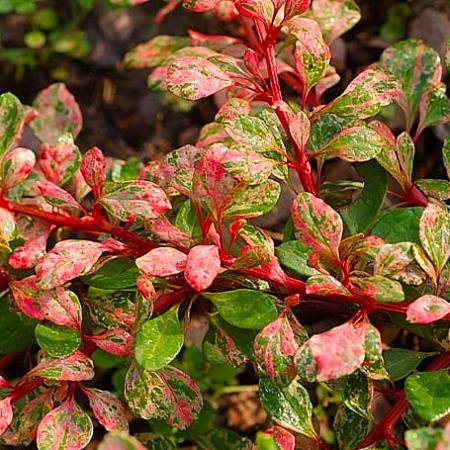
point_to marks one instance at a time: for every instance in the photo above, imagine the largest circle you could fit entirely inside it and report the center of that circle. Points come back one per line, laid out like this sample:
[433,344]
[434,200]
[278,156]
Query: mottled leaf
[159,340]
[6,413]
[289,407]
[427,309]
[244,308]
[16,166]
[56,340]
[357,394]
[8,228]
[350,428]
[11,117]
[117,342]
[167,394]
[275,438]
[61,160]
[438,189]
[58,197]
[119,440]
[202,266]
[316,223]
[222,438]
[57,113]
[164,230]
[107,408]
[425,438]
[379,288]
[400,362]
[429,394]
[332,354]
[434,231]
[261,10]
[322,284]
[115,273]
[93,169]
[193,78]
[162,262]
[67,260]
[136,200]
[67,426]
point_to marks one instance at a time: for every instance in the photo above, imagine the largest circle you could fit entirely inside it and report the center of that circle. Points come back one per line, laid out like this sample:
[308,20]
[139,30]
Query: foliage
[108,270]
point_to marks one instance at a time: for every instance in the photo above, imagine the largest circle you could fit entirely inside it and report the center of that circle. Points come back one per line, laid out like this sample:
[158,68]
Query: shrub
[104,263]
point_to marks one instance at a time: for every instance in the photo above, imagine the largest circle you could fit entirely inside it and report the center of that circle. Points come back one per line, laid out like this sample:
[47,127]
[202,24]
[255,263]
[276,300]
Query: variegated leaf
[6,413]
[316,223]
[67,426]
[8,226]
[16,166]
[427,309]
[67,260]
[58,197]
[136,200]
[379,288]
[162,262]
[117,342]
[11,121]
[57,113]
[93,169]
[275,435]
[324,285]
[202,266]
[262,10]
[119,440]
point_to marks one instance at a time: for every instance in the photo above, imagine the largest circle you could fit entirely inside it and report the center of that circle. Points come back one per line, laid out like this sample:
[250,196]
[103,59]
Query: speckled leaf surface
[289,407]
[380,289]
[65,261]
[434,231]
[119,440]
[202,266]
[57,113]
[332,354]
[275,438]
[117,342]
[262,10]
[11,117]
[6,413]
[335,17]
[59,161]
[159,340]
[107,408]
[93,169]
[67,426]
[58,305]
[16,166]
[350,428]
[58,197]
[168,394]
[193,78]
[162,262]
[322,284]
[136,200]
[8,226]
[427,309]
[316,223]
[434,108]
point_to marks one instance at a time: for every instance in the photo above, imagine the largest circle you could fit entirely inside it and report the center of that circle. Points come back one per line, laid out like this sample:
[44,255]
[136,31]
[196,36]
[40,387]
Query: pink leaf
[332,354]
[296,7]
[283,438]
[162,262]
[146,288]
[57,305]
[194,78]
[16,166]
[75,367]
[202,266]
[35,234]
[67,260]
[119,440]
[262,10]
[318,225]
[57,113]
[58,197]
[163,229]
[60,161]
[6,414]
[322,284]
[427,309]
[200,5]
[136,200]
[93,169]
[117,342]
[107,408]
[66,427]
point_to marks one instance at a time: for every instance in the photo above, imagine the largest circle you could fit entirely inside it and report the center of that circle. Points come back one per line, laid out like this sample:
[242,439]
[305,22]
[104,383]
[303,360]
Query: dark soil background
[123,118]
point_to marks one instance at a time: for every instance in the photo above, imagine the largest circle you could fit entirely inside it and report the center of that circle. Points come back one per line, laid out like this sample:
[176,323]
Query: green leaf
[159,340]
[357,394]
[294,255]
[380,288]
[289,407]
[154,441]
[423,438]
[400,362]
[16,330]
[117,273]
[439,189]
[11,116]
[429,394]
[362,214]
[244,308]
[120,440]
[435,108]
[222,439]
[400,224]
[187,221]
[56,340]
[350,428]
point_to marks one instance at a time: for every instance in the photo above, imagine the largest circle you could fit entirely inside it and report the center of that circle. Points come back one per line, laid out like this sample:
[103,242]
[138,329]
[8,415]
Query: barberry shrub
[106,263]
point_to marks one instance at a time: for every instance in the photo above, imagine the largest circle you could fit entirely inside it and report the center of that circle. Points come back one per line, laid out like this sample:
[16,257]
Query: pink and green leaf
[202,266]
[162,262]
[434,109]
[119,440]
[333,354]
[8,226]
[276,438]
[11,120]
[67,260]
[58,197]
[6,413]
[136,200]
[316,223]
[59,161]
[107,409]
[93,169]
[116,342]
[57,113]
[261,10]
[324,285]
[16,166]
[427,309]
[379,288]
[67,426]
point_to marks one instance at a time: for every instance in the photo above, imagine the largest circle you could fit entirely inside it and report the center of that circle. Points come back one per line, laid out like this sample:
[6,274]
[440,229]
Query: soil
[123,118]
